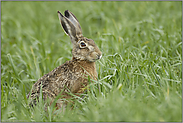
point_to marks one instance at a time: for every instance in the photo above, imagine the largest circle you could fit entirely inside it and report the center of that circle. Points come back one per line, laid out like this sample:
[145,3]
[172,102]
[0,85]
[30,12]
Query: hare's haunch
[71,76]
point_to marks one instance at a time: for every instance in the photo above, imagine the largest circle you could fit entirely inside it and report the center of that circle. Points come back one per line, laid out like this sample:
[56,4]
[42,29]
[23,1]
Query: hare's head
[83,48]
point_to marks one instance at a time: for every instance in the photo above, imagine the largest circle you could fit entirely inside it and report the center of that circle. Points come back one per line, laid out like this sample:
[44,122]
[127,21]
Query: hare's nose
[99,56]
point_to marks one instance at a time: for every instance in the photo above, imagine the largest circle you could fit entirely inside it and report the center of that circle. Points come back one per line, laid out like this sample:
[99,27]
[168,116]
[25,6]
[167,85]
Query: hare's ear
[70,26]
[74,20]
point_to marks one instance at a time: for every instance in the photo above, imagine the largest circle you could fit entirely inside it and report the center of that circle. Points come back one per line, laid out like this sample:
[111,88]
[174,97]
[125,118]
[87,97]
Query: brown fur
[71,76]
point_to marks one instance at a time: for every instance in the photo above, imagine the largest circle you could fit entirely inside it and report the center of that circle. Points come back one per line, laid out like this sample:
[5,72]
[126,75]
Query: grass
[140,73]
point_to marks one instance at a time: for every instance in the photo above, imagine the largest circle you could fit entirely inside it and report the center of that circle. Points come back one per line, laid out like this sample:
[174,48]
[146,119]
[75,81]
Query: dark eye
[83,44]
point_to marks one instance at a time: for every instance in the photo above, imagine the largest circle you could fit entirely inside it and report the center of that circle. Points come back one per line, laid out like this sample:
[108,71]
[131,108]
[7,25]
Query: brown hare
[71,76]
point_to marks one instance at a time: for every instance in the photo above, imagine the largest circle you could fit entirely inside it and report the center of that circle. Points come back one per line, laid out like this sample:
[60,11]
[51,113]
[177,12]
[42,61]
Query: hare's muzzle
[99,56]
[98,53]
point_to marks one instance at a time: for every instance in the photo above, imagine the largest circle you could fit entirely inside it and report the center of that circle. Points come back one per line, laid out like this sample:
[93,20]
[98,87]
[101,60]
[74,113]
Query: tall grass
[140,73]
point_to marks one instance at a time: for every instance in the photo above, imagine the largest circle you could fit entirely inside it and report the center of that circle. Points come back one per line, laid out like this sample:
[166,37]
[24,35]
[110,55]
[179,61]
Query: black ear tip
[60,13]
[67,13]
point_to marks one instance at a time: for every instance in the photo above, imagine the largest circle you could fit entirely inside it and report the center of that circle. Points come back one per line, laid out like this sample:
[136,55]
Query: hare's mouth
[100,57]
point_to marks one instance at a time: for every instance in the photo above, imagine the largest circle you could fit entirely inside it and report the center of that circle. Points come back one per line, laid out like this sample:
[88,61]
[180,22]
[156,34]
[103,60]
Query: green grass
[140,73]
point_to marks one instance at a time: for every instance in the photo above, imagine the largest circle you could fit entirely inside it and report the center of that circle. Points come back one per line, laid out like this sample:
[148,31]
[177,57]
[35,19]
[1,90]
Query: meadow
[139,75]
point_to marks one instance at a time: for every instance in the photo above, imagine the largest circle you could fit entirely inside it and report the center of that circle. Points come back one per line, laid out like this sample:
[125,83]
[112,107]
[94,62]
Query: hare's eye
[83,44]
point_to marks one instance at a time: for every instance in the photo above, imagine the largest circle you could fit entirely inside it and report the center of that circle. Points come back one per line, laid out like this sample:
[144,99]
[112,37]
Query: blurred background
[142,57]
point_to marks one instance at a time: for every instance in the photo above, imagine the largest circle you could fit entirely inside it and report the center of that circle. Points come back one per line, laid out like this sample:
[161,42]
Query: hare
[71,76]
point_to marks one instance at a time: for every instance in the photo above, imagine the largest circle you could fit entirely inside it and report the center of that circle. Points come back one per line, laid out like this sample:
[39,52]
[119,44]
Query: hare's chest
[79,85]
